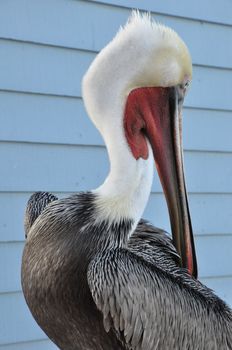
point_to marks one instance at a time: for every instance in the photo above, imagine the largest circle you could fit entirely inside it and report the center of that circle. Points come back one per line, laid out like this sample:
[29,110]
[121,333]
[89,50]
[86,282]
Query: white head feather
[142,54]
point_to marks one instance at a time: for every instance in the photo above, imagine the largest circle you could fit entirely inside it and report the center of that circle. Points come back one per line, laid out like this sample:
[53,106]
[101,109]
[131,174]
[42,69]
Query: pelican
[94,275]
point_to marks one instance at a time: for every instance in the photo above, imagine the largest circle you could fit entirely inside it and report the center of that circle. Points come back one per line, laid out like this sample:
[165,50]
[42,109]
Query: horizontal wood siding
[88,25]
[27,166]
[56,67]
[43,116]
[218,12]
[48,143]
[43,344]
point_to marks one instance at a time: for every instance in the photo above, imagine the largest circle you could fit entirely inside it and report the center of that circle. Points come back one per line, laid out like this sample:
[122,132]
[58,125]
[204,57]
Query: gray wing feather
[35,205]
[148,309]
[154,245]
[128,302]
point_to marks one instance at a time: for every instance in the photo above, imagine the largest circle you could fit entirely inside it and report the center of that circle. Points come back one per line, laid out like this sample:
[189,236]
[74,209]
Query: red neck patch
[134,126]
[141,104]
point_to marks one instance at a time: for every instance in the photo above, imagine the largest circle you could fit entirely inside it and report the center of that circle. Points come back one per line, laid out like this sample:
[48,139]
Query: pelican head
[133,92]
[142,54]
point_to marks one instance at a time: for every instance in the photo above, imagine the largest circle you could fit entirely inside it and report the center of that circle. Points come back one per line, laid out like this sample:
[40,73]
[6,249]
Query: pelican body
[94,275]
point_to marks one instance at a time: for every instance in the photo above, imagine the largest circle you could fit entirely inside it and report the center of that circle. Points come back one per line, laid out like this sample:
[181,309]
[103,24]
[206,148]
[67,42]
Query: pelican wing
[136,302]
[154,245]
[148,308]
[122,291]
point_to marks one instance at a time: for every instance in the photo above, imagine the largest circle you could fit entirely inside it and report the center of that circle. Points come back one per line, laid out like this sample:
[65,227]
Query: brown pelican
[94,276]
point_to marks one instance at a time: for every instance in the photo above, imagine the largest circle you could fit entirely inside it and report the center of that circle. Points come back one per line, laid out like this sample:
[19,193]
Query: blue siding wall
[48,143]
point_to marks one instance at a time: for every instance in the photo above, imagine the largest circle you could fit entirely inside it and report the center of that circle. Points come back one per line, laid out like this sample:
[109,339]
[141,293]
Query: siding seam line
[160,13]
[85,50]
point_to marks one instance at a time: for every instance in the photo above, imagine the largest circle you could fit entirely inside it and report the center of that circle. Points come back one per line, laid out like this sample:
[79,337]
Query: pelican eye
[185,86]
[182,90]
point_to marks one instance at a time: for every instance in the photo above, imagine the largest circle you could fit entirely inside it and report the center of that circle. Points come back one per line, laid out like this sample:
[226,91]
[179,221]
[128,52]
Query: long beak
[162,116]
